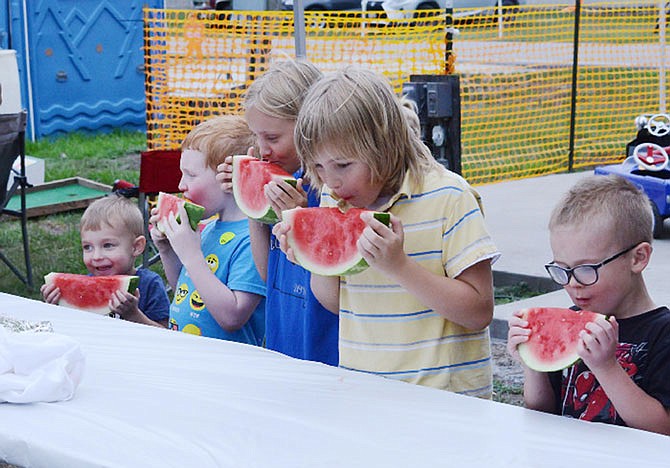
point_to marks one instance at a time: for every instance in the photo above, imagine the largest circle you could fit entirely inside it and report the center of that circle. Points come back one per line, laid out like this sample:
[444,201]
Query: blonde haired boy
[112,237]
[218,291]
[600,234]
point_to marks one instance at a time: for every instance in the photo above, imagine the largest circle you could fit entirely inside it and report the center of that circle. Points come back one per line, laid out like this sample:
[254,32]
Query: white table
[154,397]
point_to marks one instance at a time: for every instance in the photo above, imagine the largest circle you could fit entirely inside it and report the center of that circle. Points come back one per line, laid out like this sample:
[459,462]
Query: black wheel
[658,222]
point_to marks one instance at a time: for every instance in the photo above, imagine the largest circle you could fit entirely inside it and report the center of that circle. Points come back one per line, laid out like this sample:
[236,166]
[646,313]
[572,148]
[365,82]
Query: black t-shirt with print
[643,352]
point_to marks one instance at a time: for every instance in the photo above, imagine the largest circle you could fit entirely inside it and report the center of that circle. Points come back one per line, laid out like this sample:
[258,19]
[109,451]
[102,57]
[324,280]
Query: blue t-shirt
[227,250]
[296,324]
[154,301]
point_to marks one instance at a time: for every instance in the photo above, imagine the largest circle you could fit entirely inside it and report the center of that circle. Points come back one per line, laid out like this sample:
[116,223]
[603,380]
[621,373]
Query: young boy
[218,291]
[600,235]
[420,313]
[112,237]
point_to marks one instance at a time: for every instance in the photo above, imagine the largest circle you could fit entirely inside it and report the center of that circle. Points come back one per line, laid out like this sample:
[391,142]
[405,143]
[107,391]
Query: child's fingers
[52,296]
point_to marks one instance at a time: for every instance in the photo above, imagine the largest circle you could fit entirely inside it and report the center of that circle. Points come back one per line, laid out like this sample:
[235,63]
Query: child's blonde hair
[113,211]
[280,91]
[219,137]
[411,111]
[357,112]
[611,200]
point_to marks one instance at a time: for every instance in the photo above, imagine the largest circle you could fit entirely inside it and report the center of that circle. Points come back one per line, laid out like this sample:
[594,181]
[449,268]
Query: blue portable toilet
[81,62]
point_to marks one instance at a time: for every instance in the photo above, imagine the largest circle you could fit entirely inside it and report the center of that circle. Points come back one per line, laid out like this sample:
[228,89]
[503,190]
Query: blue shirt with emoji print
[227,250]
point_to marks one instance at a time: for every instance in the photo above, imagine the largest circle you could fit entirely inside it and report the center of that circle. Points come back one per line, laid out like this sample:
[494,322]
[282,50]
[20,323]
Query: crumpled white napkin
[36,367]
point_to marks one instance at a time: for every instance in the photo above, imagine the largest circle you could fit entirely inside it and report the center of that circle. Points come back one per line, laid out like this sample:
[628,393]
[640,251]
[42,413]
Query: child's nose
[264,150]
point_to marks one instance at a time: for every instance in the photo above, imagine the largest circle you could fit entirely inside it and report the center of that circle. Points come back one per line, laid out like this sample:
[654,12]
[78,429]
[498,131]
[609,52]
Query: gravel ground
[507,375]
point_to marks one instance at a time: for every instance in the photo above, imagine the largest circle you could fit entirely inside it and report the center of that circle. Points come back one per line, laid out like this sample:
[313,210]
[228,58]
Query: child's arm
[169,258]
[598,351]
[259,235]
[537,391]
[466,300]
[327,291]
[231,309]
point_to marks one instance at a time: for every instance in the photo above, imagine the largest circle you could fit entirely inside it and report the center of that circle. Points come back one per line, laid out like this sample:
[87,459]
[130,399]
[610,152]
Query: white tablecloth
[152,397]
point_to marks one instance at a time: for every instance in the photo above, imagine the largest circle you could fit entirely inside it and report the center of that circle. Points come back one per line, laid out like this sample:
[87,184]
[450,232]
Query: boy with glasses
[600,235]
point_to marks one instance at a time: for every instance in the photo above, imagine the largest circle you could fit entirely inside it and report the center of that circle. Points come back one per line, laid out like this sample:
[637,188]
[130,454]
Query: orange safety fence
[516,73]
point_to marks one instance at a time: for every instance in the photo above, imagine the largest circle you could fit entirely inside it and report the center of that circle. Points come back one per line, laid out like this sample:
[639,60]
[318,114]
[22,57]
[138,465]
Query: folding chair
[12,145]
[159,172]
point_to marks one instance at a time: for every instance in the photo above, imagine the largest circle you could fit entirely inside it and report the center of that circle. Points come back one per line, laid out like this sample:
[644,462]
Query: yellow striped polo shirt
[387,331]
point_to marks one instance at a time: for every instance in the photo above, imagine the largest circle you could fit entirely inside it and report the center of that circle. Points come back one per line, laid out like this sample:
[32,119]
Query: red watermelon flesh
[324,239]
[554,335]
[90,293]
[250,175]
[168,203]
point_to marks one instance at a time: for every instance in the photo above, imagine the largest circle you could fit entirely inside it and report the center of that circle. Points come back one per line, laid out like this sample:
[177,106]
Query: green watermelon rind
[354,266]
[266,216]
[132,284]
[533,362]
[193,211]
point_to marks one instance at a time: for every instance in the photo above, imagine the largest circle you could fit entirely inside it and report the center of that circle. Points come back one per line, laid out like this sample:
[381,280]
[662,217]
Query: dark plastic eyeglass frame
[595,266]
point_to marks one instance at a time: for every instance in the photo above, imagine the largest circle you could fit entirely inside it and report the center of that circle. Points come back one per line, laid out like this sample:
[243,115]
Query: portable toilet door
[82,63]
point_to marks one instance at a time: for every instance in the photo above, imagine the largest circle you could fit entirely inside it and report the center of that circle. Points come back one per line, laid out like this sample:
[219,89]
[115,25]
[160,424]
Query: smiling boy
[112,237]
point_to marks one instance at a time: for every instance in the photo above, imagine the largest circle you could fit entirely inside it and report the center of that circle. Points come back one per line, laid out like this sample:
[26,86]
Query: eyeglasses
[586,274]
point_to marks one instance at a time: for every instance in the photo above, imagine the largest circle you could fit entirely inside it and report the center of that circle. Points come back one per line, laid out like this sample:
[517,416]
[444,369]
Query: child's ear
[641,257]
[139,244]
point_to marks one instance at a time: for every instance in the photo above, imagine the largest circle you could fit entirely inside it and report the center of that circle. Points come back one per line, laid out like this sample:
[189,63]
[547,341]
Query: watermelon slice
[249,178]
[324,239]
[552,344]
[90,293]
[168,203]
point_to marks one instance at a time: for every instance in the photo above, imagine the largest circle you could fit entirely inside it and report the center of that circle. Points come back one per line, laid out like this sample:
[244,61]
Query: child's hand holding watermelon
[382,245]
[598,344]
[50,293]
[224,173]
[126,305]
[184,241]
[285,196]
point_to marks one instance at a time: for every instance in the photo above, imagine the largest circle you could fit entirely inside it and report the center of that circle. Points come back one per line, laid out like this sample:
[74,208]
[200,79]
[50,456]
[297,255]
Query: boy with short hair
[600,235]
[112,237]
[218,291]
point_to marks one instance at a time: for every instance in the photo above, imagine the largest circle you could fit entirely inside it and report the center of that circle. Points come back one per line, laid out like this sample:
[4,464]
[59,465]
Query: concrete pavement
[517,214]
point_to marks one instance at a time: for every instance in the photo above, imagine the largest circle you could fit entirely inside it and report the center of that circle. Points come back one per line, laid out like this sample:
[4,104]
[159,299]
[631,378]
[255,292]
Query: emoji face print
[181,293]
[196,301]
[212,262]
[226,237]
[192,329]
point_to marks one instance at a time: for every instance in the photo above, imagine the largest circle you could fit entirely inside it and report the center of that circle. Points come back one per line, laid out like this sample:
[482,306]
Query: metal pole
[500,19]
[299,29]
[661,69]
[449,34]
[573,97]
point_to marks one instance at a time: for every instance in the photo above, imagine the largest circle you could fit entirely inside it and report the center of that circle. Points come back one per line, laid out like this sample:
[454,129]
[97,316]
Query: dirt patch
[507,375]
